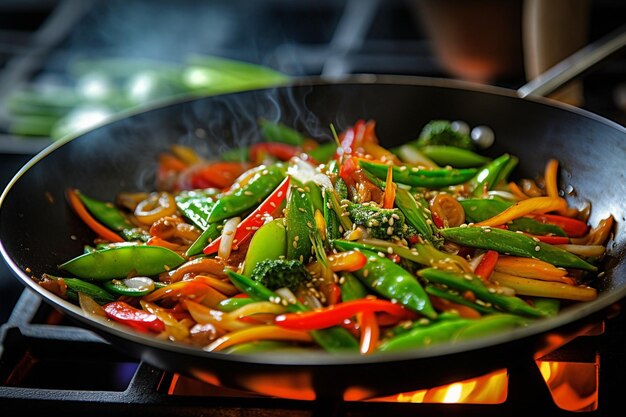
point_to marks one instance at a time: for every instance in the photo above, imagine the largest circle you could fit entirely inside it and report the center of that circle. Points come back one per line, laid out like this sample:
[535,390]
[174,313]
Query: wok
[39,231]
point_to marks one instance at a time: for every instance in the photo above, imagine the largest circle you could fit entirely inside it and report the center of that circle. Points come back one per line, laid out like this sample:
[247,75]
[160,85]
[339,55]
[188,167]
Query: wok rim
[321,359]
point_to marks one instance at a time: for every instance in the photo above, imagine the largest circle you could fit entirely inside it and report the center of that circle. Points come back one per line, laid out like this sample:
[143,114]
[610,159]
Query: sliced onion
[90,307]
[228,235]
[583,250]
[139,283]
[157,205]
[287,295]
[504,194]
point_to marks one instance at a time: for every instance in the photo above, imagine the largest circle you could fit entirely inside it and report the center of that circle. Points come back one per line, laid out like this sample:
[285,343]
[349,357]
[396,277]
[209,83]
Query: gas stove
[51,364]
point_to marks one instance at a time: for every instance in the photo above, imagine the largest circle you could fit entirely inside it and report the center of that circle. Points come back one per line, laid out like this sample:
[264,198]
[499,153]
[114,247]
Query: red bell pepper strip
[217,175]
[336,314]
[487,265]
[138,319]
[572,227]
[370,332]
[256,219]
[552,240]
[437,220]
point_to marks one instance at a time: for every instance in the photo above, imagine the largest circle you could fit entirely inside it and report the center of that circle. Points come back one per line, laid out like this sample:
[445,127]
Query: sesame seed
[390,230]
[391,222]
[381,254]
[247,192]
[537,248]
[302,210]
[536,239]
[487,230]
[280,194]
[390,250]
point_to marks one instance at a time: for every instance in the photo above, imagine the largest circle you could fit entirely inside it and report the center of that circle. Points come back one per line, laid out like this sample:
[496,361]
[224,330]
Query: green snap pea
[550,306]
[269,242]
[473,283]
[487,177]
[416,214]
[315,196]
[248,196]
[323,152]
[196,205]
[300,225]
[352,288]
[211,233]
[232,304]
[121,261]
[114,219]
[333,339]
[392,281]
[489,325]
[506,170]
[431,178]
[331,220]
[423,336]
[75,285]
[457,298]
[453,156]
[513,243]
[278,132]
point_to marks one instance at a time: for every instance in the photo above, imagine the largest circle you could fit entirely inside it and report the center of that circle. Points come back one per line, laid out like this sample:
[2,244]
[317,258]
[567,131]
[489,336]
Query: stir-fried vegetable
[370,252]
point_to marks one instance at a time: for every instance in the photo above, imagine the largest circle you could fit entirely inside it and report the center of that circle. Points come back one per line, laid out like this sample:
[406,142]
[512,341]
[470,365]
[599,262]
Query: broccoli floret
[280,273]
[381,223]
[440,132]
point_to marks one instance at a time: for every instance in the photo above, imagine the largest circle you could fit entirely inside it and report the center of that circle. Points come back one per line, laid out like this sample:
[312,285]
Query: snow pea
[417,214]
[518,244]
[119,287]
[431,178]
[392,281]
[196,205]
[210,234]
[331,220]
[75,285]
[352,288]
[121,261]
[300,225]
[488,175]
[232,304]
[489,325]
[459,299]
[451,155]
[333,339]
[107,214]
[473,283]
[423,336]
[247,197]
[278,132]
[269,242]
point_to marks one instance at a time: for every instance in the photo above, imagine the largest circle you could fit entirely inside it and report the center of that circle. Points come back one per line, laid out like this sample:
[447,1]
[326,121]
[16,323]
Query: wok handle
[575,65]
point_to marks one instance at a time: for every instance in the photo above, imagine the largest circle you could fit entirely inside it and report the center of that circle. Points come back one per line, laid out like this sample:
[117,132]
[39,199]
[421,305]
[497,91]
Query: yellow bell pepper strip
[122,261]
[336,314]
[256,219]
[267,332]
[538,288]
[524,207]
[597,235]
[224,287]
[507,242]
[174,328]
[550,178]
[529,268]
[470,282]
[517,192]
[88,219]
[137,319]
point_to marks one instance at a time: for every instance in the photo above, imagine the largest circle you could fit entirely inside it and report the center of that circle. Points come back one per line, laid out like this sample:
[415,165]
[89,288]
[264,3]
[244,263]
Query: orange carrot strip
[524,207]
[552,188]
[390,189]
[89,220]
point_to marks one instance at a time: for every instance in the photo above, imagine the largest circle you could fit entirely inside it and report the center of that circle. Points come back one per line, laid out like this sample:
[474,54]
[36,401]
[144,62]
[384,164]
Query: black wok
[39,230]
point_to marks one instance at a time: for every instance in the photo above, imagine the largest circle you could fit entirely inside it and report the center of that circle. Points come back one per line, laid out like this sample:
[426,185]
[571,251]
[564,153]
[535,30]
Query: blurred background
[65,64]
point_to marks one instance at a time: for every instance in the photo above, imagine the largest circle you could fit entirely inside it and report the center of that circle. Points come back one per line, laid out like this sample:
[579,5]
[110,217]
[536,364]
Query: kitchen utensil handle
[575,65]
